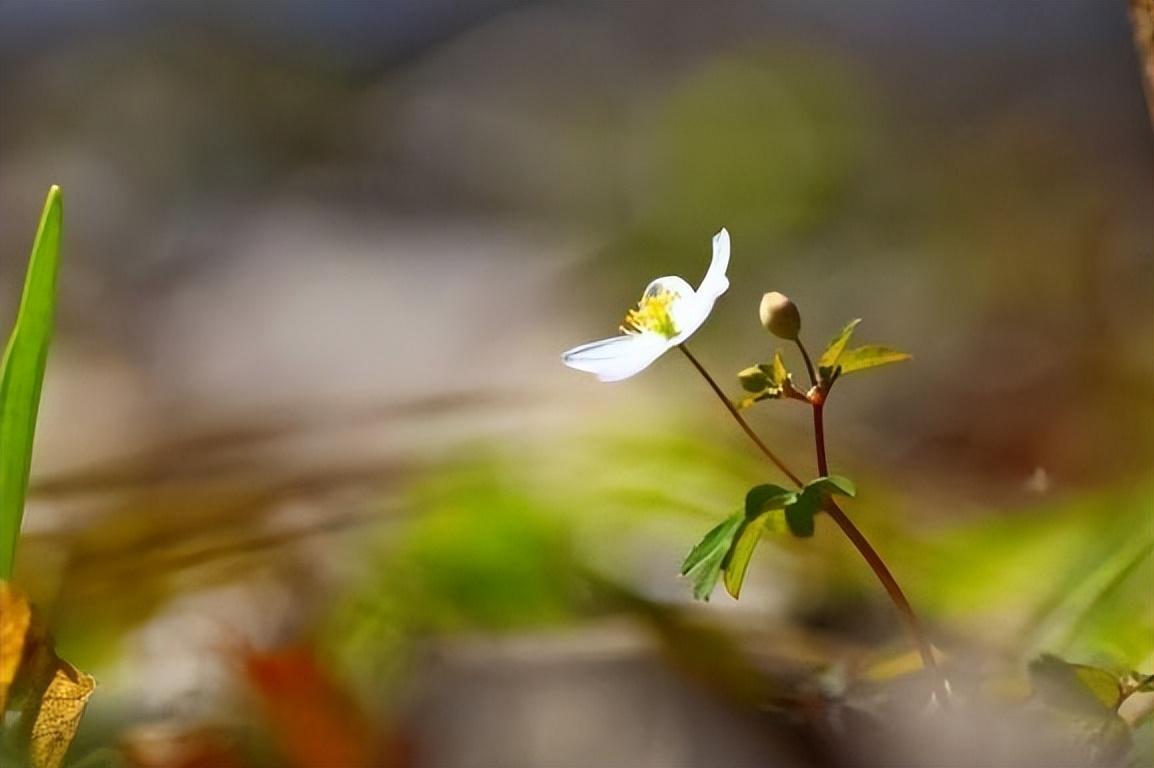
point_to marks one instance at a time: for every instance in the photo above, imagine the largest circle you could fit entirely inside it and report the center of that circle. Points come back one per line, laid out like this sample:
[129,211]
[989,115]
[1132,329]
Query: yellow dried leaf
[897,666]
[59,715]
[15,620]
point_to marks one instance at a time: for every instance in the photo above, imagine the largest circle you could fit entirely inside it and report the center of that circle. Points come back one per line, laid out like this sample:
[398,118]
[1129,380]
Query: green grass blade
[22,374]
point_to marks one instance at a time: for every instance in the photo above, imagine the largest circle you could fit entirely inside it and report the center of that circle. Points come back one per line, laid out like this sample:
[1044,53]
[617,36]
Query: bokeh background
[310,475]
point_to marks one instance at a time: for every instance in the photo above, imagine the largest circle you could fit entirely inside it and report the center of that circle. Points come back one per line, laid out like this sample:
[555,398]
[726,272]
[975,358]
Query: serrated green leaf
[703,564]
[799,514]
[869,356]
[835,485]
[22,376]
[831,355]
[737,562]
[761,498]
[1075,688]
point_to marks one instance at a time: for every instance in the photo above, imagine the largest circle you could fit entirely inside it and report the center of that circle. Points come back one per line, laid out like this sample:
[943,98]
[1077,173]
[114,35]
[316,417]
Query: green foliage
[1076,687]
[834,485]
[765,381]
[869,356]
[829,358]
[704,563]
[778,374]
[771,381]
[753,379]
[483,553]
[1087,699]
[1097,552]
[799,514]
[762,498]
[728,547]
[22,376]
[741,552]
[836,360]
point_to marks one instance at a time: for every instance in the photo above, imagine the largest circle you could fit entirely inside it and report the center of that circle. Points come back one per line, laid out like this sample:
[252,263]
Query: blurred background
[312,487]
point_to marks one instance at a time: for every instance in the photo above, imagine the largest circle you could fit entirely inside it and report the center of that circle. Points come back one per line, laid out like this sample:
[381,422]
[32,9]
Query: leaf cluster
[772,381]
[726,550]
[766,381]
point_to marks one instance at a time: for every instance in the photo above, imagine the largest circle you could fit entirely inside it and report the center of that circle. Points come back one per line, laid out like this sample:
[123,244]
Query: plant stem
[856,537]
[808,363]
[819,438]
[777,462]
[854,534]
[893,589]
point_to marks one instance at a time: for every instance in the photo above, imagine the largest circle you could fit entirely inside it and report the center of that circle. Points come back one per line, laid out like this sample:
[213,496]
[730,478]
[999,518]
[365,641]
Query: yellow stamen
[652,314]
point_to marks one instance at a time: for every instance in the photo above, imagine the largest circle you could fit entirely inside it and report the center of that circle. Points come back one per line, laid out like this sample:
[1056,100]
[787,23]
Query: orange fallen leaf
[15,620]
[315,720]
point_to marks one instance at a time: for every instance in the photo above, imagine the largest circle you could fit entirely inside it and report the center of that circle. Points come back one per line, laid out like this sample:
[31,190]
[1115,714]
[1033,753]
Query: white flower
[668,314]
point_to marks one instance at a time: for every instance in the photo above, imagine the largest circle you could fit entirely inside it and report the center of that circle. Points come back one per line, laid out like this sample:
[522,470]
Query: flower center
[652,313]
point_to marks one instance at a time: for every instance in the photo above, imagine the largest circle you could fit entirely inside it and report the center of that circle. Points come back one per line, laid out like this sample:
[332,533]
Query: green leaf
[703,564]
[753,379]
[737,563]
[22,375]
[761,498]
[769,394]
[799,514]
[831,356]
[869,356]
[778,375]
[1075,688]
[833,485]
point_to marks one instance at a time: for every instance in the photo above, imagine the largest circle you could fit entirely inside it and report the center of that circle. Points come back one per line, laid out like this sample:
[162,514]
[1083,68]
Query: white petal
[669,284]
[715,282]
[688,315]
[617,358]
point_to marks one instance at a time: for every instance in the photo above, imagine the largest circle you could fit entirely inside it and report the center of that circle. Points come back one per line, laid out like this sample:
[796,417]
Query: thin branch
[777,462]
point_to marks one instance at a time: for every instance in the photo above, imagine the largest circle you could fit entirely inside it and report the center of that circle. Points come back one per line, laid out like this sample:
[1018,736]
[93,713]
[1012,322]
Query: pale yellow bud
[779,315]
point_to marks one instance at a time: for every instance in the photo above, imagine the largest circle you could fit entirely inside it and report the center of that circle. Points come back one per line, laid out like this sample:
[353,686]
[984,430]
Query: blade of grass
[22,374]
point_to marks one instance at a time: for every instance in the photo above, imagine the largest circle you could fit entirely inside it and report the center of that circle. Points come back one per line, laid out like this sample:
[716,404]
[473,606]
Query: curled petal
[715,282]
[693,309]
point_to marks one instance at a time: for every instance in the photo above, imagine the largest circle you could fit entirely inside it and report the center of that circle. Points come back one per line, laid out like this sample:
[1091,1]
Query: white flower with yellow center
[668,314]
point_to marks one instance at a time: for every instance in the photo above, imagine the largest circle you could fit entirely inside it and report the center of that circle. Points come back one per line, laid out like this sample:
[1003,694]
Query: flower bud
[779,315]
